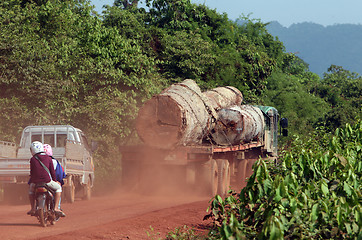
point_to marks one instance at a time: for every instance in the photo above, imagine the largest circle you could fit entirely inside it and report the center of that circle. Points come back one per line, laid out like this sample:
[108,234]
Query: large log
[238,124]
[224,97]
[180,115]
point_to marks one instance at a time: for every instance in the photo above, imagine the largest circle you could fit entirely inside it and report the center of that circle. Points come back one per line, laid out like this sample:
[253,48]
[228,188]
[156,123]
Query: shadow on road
[19,224]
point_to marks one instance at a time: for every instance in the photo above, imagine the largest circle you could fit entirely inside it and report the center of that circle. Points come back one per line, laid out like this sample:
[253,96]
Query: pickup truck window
[55,140]
[49,139]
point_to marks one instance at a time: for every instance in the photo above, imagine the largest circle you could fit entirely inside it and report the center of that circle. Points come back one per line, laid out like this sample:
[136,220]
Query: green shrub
[313,192]
[184,232]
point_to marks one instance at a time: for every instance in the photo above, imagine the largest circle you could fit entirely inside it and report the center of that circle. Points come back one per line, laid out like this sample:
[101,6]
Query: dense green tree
[63,66]
[341,89]
[126,3]
[241,57]
[259,35]
[14,114]
[186,55]
[291,96]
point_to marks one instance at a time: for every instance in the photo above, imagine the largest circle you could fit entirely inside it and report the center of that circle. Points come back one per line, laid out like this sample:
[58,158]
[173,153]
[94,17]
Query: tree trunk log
[238,124]
[177,116]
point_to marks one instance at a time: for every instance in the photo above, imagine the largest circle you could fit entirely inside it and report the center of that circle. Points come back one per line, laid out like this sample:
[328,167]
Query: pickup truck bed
[7,150]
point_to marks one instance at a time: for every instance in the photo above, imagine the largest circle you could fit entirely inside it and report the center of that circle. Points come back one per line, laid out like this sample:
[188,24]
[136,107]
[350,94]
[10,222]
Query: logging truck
[207,139]
[70,148]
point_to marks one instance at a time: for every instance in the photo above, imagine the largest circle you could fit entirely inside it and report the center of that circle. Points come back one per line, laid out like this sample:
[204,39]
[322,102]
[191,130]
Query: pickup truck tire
[70,191]
[224,176]
[87,190]
[15,193]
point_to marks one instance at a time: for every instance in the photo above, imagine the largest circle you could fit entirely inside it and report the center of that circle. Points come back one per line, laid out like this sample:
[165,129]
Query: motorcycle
[44,205]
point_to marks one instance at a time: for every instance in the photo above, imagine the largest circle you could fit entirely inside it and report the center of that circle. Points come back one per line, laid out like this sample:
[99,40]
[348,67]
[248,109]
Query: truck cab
[271,118]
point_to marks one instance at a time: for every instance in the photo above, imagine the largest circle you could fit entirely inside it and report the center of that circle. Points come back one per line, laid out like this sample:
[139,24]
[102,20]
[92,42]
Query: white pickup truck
[70,148]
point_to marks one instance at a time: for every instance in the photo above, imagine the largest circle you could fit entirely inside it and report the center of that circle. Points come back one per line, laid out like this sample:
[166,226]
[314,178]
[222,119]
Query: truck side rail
[235,148]
[204,149]
[7,143]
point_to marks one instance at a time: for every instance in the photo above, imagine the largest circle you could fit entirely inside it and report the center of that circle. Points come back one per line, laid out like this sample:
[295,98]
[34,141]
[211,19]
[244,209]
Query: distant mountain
[320,46]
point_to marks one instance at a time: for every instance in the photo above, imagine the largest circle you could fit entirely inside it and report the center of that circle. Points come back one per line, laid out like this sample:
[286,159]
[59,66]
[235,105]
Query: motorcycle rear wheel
[42,216]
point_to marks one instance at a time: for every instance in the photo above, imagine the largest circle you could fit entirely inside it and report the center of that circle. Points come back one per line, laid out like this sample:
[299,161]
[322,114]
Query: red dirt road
[117,216]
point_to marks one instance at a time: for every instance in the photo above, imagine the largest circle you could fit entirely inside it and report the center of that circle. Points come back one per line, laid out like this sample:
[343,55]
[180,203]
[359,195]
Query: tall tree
[342,90]
[126,3]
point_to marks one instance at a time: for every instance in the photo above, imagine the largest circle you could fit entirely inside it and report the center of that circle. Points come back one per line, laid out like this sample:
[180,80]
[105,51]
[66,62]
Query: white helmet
[36,147]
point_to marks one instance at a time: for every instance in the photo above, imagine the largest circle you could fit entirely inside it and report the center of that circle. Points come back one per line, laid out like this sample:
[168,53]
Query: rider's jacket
[37,171]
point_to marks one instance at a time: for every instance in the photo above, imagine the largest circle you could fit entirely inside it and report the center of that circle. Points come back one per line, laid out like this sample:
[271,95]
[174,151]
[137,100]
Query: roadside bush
[313,192]
[184,232]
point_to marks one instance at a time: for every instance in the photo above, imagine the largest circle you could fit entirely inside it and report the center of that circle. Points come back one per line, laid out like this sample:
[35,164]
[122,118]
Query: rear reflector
[41,189]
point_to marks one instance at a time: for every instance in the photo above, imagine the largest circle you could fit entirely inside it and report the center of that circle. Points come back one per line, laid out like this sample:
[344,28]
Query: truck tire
[208,178]
[241,173]
[87,190]
[249,168]
[149,179]
[224,176]
[131,174]
[70,191]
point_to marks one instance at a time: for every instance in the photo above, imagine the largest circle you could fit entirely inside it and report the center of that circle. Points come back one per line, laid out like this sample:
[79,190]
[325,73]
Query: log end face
[159,122]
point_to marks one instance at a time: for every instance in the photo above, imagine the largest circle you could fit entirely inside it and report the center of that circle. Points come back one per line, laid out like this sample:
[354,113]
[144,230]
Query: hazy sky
[286,12]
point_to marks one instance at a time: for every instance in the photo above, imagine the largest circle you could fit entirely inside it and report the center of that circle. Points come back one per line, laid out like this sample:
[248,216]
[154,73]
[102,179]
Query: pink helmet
[48,149]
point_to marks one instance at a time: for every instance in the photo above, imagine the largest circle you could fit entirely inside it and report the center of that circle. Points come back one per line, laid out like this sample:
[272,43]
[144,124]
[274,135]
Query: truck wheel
[249,168]
[131,174]
[224,176]
[214,178]
[207,177]
[241,173]
[87,190]
[70,191]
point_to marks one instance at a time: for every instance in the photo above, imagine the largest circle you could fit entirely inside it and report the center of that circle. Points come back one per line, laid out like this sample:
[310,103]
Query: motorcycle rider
[59,171]
[39,174]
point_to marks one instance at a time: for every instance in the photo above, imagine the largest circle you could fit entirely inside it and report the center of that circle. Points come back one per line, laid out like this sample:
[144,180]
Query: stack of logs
[183,115]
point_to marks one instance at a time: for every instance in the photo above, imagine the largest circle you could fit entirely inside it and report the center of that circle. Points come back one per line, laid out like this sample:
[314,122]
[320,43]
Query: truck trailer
[216,145]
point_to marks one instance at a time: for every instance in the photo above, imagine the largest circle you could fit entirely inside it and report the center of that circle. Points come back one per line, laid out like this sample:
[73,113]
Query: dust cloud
[145,172]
